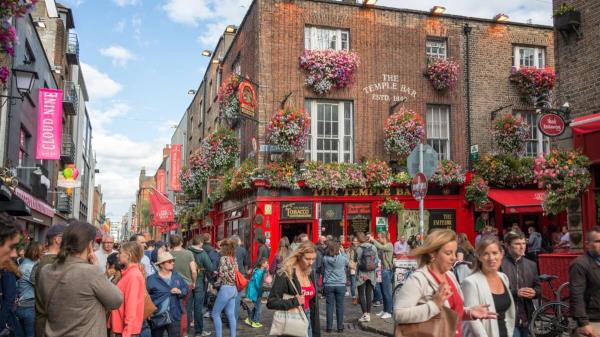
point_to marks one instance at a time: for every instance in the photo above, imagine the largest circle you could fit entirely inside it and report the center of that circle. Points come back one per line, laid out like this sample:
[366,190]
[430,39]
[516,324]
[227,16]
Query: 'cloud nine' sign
[49,131]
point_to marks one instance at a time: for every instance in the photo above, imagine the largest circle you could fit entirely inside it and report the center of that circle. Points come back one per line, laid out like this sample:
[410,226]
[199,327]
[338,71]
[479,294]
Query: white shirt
[148,268]
[101,256]
[401,248]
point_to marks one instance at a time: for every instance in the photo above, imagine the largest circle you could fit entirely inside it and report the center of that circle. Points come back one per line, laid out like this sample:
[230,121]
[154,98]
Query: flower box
[567,20]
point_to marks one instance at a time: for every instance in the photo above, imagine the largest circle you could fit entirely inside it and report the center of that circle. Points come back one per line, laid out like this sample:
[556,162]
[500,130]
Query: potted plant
[565,16]
[510,133]
[442,73]
[228,98]
[477,192]
[448,173]
[378,173]
[288,129]
[219,151]
[390,207]
[329,69]
[534,85]
[403,131]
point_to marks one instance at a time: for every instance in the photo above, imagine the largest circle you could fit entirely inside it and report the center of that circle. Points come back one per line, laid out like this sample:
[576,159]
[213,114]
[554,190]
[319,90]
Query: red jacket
[127,320]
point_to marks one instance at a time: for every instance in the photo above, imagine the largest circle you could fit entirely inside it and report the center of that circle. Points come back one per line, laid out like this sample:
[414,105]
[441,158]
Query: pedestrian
[318,265]
[584,288]
[141,240]
[20,255]
[353,269]
[385,251]
[243,264]
[75,295]
[113,268]
[213,253]
[294,244]
[366,255]
[9,273]
[401,247]
[488,285]
[9,237]
[185,266]
[54,239]
[227,292]
[105,250]
[523,280]
[534,244]
[25,291]
[205,268]
[127,320]
[263,250]
[150,246]
[565,239]
[433,286]
[335,263]
[254,293]
[166,289]
[297,279]
[283,251]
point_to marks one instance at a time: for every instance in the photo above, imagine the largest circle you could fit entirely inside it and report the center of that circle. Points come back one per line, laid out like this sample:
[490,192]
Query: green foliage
[563,9]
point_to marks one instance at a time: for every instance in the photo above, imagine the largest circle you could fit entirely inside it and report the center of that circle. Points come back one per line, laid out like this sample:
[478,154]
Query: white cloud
[123,3]
[119,55]
[99,84]
[188,12]
[102,118]
[211,34]
[119,26]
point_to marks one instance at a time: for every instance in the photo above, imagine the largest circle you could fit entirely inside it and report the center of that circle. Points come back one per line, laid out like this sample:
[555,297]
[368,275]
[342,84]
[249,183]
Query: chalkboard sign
[331,211]
[359,223]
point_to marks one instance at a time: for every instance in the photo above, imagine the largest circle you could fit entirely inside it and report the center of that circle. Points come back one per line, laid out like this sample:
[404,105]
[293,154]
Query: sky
[140,57]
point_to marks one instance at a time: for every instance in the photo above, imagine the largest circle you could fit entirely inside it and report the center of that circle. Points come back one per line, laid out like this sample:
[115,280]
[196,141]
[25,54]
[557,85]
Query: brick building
[394,46]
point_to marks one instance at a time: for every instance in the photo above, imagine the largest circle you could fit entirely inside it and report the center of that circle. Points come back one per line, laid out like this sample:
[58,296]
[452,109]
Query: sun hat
[164,257]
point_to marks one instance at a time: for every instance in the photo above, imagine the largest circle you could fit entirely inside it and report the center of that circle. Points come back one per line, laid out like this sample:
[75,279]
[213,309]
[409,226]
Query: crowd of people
[72,286]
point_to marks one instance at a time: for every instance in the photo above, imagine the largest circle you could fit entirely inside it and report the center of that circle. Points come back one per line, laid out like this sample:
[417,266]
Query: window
[438,129]
[319,38]
[236,67]
[435,49]
[24,148]
[536,143]
[29,56]
[331,135]
[529,57]
[210,93]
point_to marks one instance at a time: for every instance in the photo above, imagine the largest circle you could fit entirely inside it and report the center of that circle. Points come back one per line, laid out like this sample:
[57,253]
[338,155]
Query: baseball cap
[56,230]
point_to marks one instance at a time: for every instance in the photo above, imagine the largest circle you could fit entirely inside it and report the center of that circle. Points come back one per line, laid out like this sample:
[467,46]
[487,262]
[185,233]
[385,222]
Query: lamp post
[24,81]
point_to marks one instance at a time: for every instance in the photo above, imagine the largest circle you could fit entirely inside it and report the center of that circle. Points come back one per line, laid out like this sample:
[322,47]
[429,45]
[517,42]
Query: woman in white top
[489,286]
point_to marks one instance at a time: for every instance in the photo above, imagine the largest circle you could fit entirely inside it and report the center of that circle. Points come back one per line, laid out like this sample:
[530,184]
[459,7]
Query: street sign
[419,186]
[381,224]
[430,161]
[474,152]
[551,125]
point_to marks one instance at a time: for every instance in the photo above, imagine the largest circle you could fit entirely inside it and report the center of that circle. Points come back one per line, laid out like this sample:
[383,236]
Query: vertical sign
[160,180]
[49,131]
[175,167]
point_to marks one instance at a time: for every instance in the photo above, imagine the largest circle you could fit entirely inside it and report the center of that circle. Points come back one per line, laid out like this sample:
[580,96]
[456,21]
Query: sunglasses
[170,261]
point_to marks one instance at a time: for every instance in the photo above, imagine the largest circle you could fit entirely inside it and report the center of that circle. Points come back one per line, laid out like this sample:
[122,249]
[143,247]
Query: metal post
[422,200]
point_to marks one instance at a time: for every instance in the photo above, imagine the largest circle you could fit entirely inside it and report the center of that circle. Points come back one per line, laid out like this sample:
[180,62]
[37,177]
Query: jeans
[353,285]
[173,330]
[377,296]
[521,331]
[365,295]
[386,290]
[146,332]
[334,295]
[238,300]
[307,312]
[199,295]
[26,320]
[188,305]
[256,311]
[225,301]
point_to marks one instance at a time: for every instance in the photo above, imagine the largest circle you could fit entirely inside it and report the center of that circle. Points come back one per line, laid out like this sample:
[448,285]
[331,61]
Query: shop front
[41,216]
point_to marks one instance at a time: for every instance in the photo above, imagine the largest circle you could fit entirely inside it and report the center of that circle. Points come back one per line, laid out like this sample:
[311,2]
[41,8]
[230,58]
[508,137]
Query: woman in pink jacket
[127,320]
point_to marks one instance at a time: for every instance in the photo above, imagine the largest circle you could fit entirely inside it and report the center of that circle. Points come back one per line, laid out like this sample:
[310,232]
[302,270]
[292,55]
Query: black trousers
[173,330]
[365,296]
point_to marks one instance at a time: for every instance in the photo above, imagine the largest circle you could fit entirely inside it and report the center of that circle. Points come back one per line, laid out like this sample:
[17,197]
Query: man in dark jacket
[263,250]
[243,261]
[205,267]
[584,287]
[523,277]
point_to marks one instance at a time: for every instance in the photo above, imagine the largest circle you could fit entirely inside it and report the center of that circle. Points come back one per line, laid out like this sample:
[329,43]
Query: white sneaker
[386,315]
[206,333]
[207,314]
[365,318]
[380,313]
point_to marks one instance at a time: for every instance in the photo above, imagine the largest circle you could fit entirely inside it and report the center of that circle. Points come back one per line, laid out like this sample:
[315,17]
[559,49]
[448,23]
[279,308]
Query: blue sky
[140,57]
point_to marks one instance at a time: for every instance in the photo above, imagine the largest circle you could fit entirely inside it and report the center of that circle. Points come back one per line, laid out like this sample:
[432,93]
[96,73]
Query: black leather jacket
[522,274]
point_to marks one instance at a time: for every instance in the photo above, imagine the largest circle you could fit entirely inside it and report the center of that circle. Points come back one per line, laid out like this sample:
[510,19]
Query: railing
[67,150]
[64,203]
[73,48]
[70,98]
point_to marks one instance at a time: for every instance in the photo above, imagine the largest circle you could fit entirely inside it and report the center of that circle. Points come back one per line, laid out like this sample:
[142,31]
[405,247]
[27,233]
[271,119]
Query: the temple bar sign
[389,89]
[296,210]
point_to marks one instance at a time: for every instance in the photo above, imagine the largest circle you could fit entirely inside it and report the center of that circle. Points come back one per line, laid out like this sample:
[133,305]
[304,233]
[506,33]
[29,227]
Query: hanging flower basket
[228,98]
[192,181]
[403,131]
[327,69]
[378,173]
[510,134]
[564,175]
[505,171]
[442,73]
[534,85]
[391,207]
[289,129]
[448,173]
[477,192]
[241,178]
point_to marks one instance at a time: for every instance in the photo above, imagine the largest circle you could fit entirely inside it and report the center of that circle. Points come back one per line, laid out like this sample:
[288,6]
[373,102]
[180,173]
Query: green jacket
[40,312]
[205,266]
[387,254]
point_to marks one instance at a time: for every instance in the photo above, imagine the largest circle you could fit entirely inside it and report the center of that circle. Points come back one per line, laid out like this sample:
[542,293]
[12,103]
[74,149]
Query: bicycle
[551,319]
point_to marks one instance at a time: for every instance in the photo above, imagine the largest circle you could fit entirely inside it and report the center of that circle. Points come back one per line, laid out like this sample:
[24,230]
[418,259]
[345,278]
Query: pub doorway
[293,229]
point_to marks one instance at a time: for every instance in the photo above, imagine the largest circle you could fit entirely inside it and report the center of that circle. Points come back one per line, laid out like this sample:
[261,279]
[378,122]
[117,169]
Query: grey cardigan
[477,291]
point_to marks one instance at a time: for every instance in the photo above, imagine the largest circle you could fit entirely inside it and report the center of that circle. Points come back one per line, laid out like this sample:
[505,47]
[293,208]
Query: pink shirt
[127,320]
[309,293]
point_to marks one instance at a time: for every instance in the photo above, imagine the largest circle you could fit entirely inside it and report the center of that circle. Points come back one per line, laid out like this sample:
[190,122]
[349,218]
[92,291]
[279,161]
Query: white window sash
[538,53]
[438,126]
[319,38]
[341,150]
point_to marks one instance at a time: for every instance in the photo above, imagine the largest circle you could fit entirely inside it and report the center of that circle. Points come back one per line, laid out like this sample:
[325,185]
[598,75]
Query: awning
[586,124]
[15,207]
[518,201]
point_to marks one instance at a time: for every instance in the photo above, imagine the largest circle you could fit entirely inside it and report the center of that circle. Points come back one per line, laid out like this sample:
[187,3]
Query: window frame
[436,39]
[536,61]
[310,35]
[310,150]
[448,111]
[542,142]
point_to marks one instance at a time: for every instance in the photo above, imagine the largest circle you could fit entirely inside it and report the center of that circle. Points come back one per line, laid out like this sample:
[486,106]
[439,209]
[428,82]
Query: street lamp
[369,2]
[191,92]
[36,169]
[24,80]
[206,53]
[501,18]
[231,29]
[437,10]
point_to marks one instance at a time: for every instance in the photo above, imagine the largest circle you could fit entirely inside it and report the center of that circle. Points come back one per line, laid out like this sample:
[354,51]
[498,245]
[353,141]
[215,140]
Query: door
[292,230]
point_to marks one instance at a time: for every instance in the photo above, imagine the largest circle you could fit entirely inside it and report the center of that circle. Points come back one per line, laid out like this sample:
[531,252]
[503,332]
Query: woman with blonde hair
[488,285]
[128,318]
[283,251]
[296,278]
[433,286]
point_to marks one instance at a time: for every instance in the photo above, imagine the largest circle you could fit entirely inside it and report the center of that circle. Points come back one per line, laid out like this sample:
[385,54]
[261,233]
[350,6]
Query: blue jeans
[189,309]
[307,312]
[238,300]
[26,321]
[198,295]
[225,301]
[146,332]
[334,295]
[521,331]
[353,285]
[386,290]
[255,313]
[377,297]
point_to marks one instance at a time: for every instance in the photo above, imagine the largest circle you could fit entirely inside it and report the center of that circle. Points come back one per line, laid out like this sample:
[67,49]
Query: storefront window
[332,223]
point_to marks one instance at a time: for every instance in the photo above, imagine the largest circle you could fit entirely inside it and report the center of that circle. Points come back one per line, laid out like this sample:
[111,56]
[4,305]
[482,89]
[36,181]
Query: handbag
[160,320]
[240,281]
[149,307]
[443,324]
[291,322]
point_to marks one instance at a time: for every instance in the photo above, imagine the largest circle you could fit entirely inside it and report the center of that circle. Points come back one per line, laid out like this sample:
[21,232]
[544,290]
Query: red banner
[175,167]
[161,209]
[49,128]
[160,180]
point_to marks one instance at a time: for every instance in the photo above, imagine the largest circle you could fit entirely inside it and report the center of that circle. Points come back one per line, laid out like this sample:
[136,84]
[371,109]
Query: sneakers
[380,313]
[256,325]
[355,301]
[365,318]
[207,314]
[386,315]
[248,321]
[204,334]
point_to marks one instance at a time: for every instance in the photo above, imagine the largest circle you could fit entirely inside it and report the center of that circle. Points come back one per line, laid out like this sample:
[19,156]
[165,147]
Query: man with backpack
[366,257]
[205,268]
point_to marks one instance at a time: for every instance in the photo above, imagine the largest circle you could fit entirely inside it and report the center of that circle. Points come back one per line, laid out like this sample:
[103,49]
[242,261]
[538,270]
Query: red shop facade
[275,213]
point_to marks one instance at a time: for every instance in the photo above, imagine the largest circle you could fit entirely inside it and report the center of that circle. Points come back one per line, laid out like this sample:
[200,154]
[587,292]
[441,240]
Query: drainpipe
[467,31]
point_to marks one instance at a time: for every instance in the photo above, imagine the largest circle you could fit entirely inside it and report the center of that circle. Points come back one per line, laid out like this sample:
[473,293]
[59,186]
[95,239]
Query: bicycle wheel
[551,320]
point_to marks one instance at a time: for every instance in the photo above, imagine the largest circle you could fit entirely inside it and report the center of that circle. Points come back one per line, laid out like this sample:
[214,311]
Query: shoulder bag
[240,281]
[443,324]
[291,322]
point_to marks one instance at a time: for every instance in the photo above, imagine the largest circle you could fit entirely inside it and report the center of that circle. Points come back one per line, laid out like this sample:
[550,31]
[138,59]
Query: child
[254,293]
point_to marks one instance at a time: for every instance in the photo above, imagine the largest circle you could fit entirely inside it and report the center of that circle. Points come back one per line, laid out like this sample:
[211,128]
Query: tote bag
[291,322]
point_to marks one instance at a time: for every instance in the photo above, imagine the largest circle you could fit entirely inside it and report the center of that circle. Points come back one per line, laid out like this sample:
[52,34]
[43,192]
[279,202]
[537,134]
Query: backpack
[368,259]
